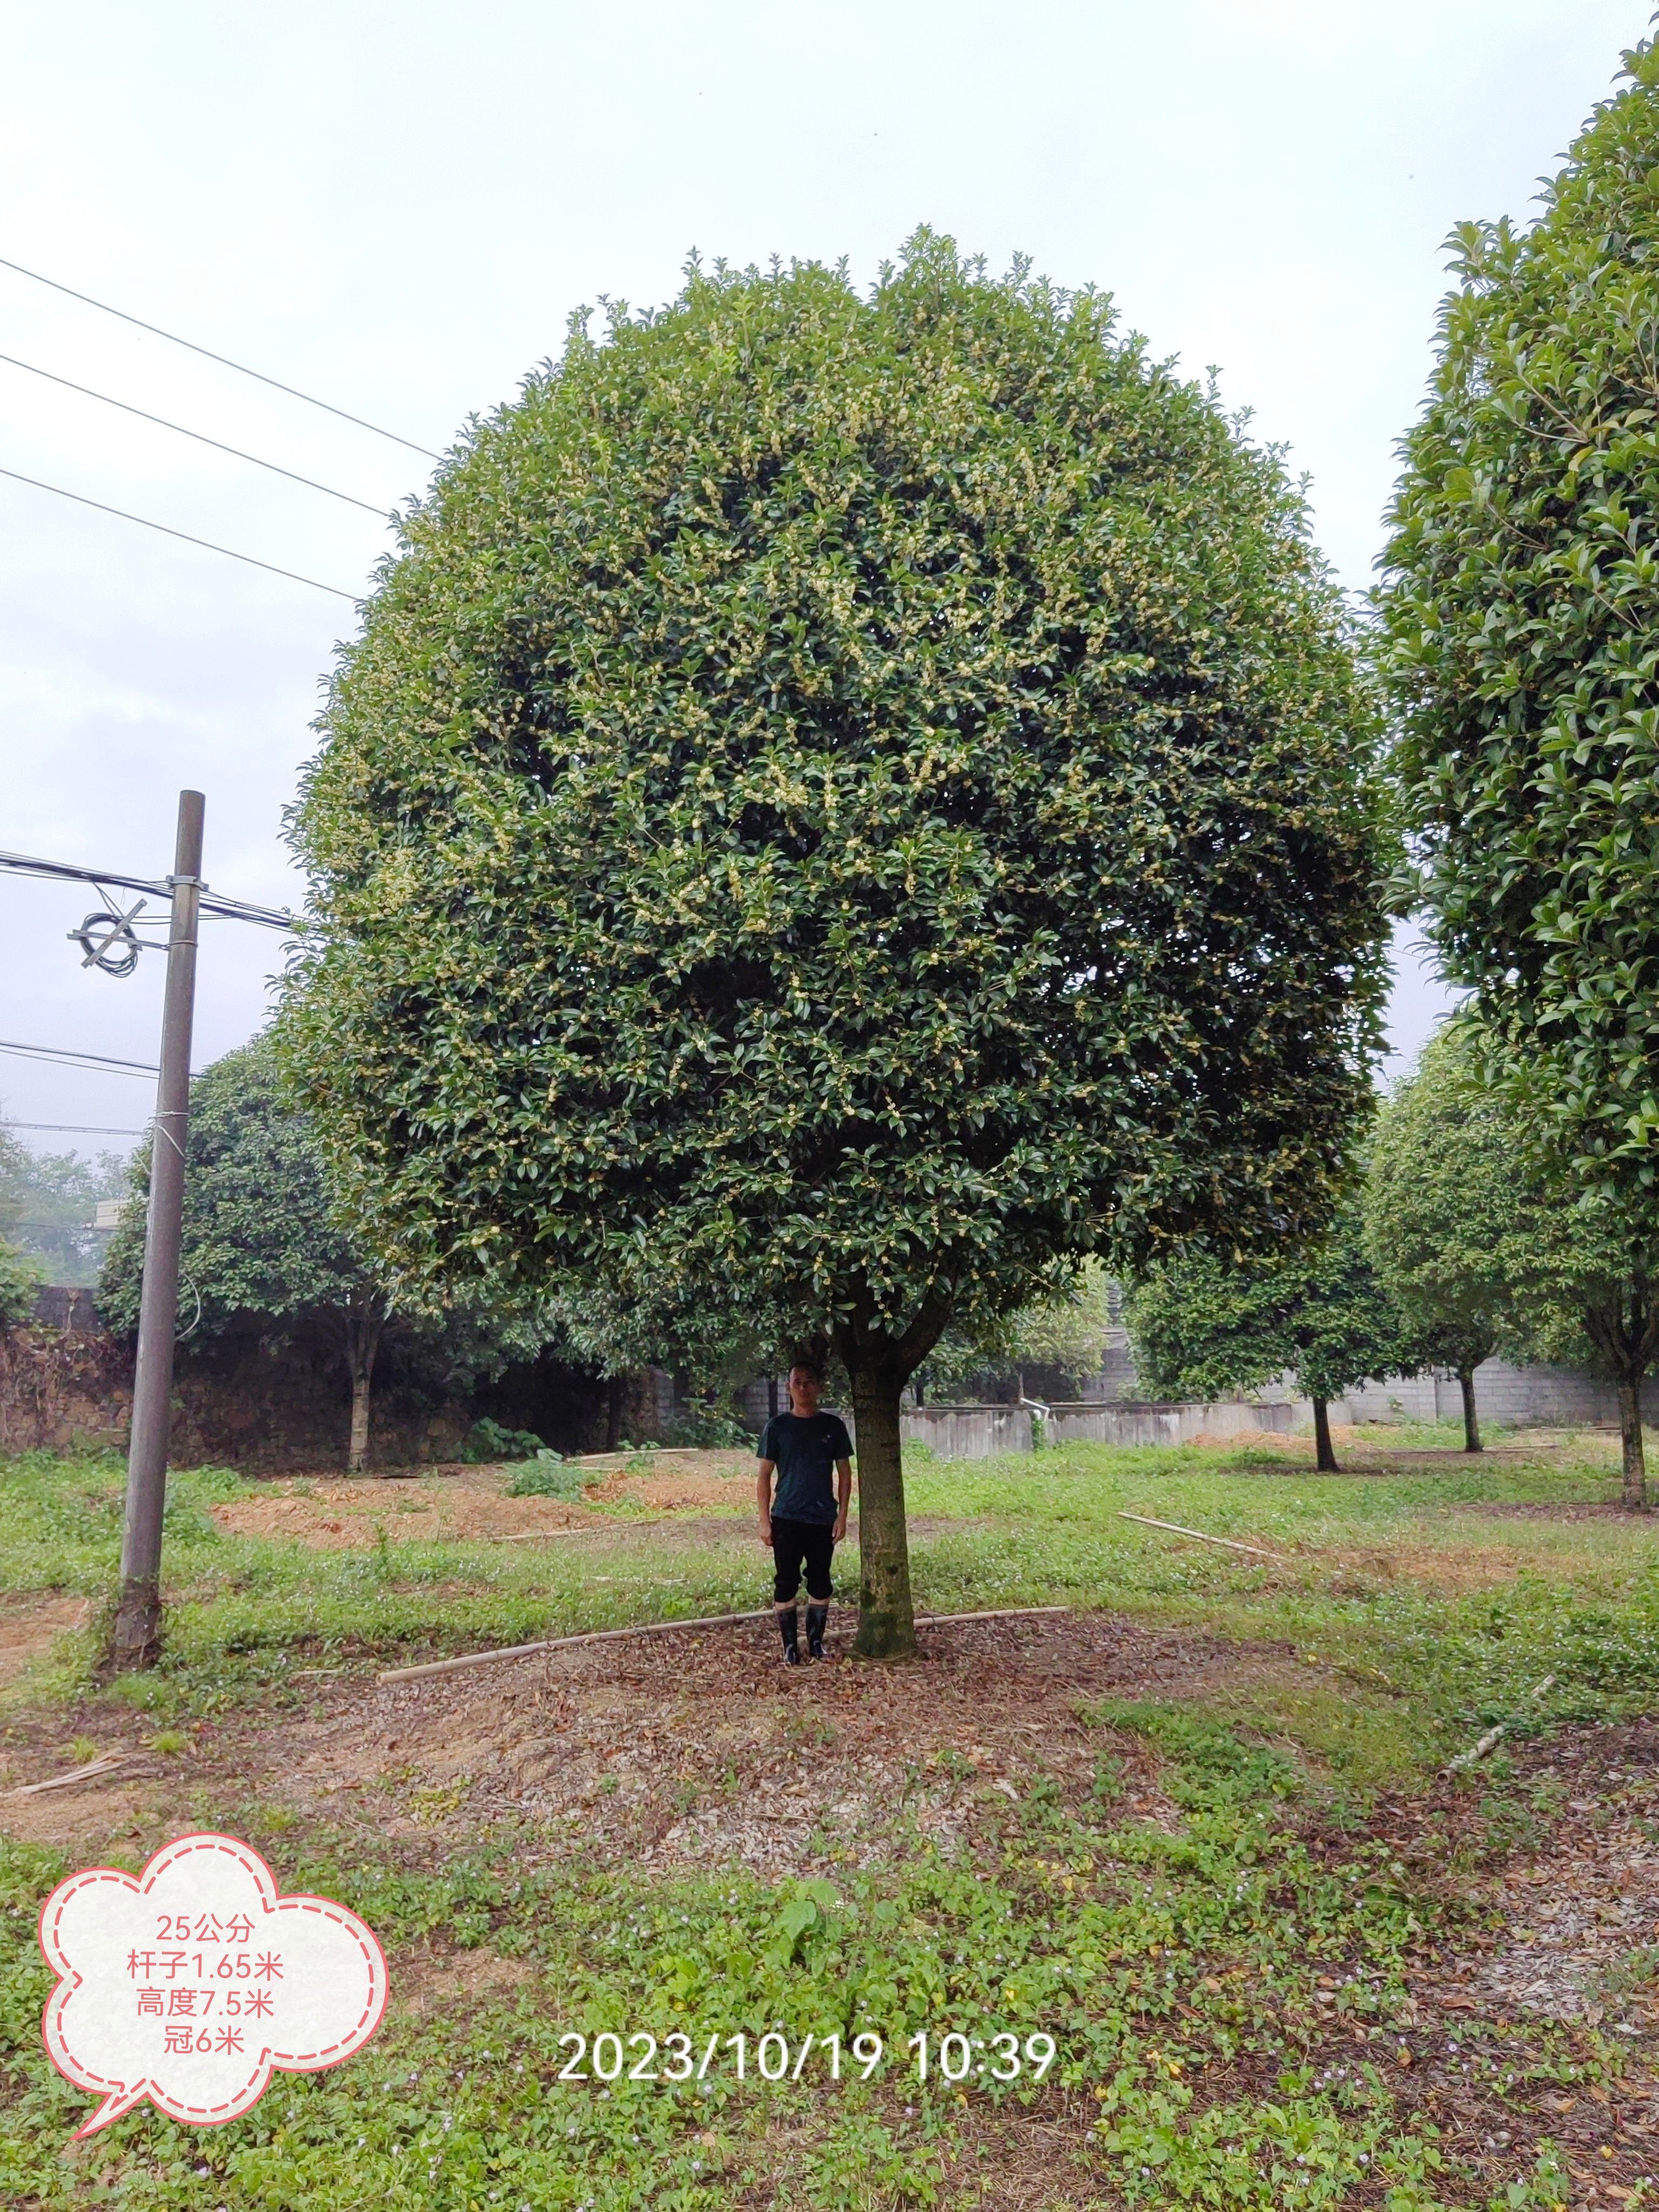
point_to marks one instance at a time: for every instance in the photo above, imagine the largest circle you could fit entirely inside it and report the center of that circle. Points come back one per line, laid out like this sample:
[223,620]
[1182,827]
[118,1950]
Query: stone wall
[236,1404]
[977,1432]
[1122,1422]
[61,1388]
[1507,1397]
[67,1381]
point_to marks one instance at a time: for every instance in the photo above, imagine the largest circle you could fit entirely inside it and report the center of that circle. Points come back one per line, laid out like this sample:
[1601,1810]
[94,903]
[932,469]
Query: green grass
[1417,1670]
[1190,1968]
[1030,1531]
[1149,1956]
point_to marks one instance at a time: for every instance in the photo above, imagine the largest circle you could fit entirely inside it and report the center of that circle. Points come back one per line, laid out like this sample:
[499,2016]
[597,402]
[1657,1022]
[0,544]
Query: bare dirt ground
[30,1625]
[698,1748]
[470,1504]
[1570,1939]
[1450,1568]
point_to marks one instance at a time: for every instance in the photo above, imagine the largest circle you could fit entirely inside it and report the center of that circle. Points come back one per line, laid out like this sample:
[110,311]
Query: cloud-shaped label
[189,1983]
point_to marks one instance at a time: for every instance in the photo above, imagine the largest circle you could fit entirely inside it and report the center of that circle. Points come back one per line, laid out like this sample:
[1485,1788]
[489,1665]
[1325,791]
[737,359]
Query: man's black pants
[793,1542]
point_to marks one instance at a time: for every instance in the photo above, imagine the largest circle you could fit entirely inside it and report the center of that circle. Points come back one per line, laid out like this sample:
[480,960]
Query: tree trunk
[1471,1419]
[613,1402]
[886,1622]
[365,1318]
[357,1452]
[1635,1493]
[1325,1457]
[1624,1330]
[772,1397]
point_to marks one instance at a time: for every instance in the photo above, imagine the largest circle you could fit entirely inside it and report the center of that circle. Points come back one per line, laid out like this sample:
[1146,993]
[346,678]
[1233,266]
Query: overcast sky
[396,208]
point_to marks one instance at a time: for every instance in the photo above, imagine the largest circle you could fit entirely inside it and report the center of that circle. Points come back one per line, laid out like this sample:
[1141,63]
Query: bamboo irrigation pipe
[1176,1529]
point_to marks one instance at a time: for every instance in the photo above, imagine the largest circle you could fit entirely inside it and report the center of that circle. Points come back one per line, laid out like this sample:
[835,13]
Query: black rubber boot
[817,1620]
[789,1629]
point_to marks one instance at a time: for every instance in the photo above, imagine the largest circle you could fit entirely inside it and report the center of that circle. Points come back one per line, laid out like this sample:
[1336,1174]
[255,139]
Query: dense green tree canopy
[259,1235]
[846,801]
[1520,605]
[1453,1213]
[1209,1323]
[1487,1243]
[1584,1283]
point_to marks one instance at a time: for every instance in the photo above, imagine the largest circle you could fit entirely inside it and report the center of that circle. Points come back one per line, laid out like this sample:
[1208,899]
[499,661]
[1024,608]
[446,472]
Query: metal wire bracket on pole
[109,941]
[65,871]
[138,1615]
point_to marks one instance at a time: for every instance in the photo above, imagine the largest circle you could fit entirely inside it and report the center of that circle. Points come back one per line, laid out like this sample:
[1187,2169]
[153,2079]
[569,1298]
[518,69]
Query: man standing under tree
[808,1518]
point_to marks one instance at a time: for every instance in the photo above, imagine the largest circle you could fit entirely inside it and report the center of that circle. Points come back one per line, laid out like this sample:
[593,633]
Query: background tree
[1589,1298]
[712,1345]
[1207,1325]
[1584,1271]
[1487,1247]
[21,1279]
[1521,614]
[1452,1214]
[261,1241]
[1065,1334]
[864,798]
[47,1200]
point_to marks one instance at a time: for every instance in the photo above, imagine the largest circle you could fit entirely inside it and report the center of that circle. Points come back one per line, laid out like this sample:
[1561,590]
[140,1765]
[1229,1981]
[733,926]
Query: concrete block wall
[1124,1422]
[1505,1397]
[977,1432]
[967,1431]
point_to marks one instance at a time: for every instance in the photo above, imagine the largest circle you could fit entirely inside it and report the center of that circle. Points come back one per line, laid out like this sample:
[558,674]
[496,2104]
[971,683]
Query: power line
[230,909]
[271,567]
[218,444]
[172,338]
[91,1062]
[68,1129]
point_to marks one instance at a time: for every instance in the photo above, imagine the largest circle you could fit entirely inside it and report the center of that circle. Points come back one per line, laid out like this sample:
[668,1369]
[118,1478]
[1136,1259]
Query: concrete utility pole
[138,1618]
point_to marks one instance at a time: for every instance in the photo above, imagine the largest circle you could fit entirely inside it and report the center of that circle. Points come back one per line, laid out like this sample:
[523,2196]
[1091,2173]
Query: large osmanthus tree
[1521,614]
[842,804]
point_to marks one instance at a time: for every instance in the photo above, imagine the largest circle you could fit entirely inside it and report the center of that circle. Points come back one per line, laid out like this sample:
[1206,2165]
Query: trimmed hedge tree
[841,804]
[1520,605]
[1453,1216]
[1205,1325]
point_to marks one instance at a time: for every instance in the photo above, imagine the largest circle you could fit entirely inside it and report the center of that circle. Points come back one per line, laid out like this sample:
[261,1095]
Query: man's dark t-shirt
[804,1450]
